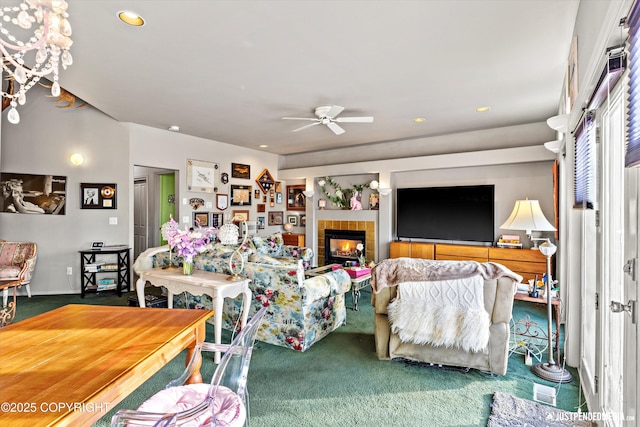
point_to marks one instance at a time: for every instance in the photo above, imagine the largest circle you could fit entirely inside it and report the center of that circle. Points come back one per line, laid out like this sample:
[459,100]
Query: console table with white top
[216,285]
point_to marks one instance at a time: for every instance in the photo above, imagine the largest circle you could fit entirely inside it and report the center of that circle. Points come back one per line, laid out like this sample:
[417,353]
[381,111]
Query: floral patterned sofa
[302,310]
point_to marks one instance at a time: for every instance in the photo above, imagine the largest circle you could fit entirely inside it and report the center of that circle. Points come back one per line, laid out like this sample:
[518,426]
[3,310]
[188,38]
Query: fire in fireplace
[340,245]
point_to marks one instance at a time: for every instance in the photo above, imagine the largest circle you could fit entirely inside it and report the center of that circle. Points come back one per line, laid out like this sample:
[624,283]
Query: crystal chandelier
[26,62]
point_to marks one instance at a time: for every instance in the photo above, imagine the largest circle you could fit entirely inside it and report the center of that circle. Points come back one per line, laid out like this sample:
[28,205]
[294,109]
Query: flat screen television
[456,214]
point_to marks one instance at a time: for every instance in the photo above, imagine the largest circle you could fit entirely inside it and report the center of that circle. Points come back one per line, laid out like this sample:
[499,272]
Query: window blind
[632,157]
[584,167]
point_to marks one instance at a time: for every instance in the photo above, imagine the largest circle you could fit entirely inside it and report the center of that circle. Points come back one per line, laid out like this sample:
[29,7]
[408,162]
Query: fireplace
[340,245]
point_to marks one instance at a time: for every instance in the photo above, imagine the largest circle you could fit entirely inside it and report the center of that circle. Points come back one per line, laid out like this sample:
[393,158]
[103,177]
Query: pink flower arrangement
[189,242]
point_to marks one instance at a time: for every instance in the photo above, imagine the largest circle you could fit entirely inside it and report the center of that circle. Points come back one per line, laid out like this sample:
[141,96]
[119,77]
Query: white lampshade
[527,215]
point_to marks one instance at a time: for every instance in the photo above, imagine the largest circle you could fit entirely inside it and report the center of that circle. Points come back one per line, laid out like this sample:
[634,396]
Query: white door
[140,216]
[611,253]
[628,319]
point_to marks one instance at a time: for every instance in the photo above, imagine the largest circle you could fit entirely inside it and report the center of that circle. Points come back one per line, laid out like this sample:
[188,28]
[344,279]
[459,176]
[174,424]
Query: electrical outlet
[69,271]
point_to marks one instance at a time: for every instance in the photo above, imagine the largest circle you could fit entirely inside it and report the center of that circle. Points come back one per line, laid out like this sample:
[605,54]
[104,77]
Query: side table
[200,282]
[8,312]
[528,329]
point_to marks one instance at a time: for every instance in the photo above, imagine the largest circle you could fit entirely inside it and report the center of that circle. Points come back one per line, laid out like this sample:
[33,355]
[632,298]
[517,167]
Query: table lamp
[527,215]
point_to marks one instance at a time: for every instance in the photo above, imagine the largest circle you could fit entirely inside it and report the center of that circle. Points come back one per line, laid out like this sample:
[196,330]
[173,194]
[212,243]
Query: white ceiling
[230,70]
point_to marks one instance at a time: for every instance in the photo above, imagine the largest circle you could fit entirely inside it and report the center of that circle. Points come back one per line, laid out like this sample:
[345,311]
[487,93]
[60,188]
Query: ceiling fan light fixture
[326,115]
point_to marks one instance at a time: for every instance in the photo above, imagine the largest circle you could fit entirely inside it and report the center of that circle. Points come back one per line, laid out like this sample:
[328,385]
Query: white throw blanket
[446,313]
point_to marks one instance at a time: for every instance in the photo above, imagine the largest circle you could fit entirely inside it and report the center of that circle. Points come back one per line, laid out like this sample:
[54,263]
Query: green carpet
[340,382]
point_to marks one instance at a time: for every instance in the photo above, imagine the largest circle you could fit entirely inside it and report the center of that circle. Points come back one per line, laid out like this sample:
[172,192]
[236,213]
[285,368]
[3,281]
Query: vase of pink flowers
[189,242]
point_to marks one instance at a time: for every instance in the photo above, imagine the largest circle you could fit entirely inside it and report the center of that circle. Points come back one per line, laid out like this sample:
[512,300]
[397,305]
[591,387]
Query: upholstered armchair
[17,261]
[491,296]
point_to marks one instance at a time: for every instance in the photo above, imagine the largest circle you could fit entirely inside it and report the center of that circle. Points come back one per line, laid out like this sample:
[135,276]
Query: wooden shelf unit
[526,262]
[293,239]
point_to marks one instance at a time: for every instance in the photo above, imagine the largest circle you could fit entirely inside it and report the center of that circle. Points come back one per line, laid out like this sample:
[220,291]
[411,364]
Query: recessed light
[482,109]
[419,120]
[131,18]
[174,128]
[263,145]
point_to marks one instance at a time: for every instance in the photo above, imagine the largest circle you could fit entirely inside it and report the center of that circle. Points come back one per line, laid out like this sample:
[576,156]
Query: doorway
[155,192]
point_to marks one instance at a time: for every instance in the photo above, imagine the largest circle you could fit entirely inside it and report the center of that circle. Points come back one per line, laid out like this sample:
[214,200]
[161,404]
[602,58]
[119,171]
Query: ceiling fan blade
[335,128]
[334,111]
[305,126]
[354,119]
[300,118]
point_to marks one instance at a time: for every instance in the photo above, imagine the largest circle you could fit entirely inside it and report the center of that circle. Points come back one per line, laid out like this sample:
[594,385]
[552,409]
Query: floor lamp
[550,371]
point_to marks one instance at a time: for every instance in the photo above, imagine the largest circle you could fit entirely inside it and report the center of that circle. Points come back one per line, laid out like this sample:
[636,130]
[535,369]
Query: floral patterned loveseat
[302,310]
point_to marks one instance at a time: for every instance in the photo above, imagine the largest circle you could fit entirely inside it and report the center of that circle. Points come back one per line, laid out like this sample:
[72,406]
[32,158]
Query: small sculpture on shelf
[355,203]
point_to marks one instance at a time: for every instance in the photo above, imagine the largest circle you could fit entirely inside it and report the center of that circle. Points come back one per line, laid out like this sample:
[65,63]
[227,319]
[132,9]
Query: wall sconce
[559,123]
[384,191]
[308,193]
[555,146]
[374,185]
[76,159]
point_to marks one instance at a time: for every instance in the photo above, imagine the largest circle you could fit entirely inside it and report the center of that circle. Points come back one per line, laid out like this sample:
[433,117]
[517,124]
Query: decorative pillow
[261,258]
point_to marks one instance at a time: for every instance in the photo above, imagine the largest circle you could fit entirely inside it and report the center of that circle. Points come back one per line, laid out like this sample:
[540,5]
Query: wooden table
[216,285]
[70,366]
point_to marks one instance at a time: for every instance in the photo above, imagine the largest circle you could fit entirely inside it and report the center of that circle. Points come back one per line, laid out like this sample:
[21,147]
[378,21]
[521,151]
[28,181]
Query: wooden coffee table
[72,365]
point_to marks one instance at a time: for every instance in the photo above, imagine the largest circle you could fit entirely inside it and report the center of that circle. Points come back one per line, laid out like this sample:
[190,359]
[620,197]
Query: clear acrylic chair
[222,402]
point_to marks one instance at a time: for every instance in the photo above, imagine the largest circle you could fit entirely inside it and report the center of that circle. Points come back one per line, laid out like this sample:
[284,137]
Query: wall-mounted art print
[240,171]
[265,181]
[33,194]
[261,207]
[279,198]
[276,218]
[201,219]
[222,201]
[292,219]
[278,187]
[202,176]
[296,201]
[216,219]
[261,222]
[98,196]
[240,195]
[240,215]
[196,203]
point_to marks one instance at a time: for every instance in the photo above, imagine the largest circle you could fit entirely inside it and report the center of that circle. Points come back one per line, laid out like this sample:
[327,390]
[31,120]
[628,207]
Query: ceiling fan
[326,115]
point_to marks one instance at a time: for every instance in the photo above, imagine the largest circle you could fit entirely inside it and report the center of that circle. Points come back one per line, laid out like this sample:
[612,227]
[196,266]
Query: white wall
[41,144]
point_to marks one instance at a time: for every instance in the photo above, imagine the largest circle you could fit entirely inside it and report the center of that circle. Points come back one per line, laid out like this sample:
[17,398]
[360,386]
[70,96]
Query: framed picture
[98,196]
[292,219]
[374,201]
[216,219]
[261,222]
[275,218]
[201,219]
[33,194]
[222,201]
[240,195]
[256,193]
[261,207]
[303,221]
[278,187]
[202,176]
[239,170]
[243,215]
[265,181]
[279,198]
[295,198]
